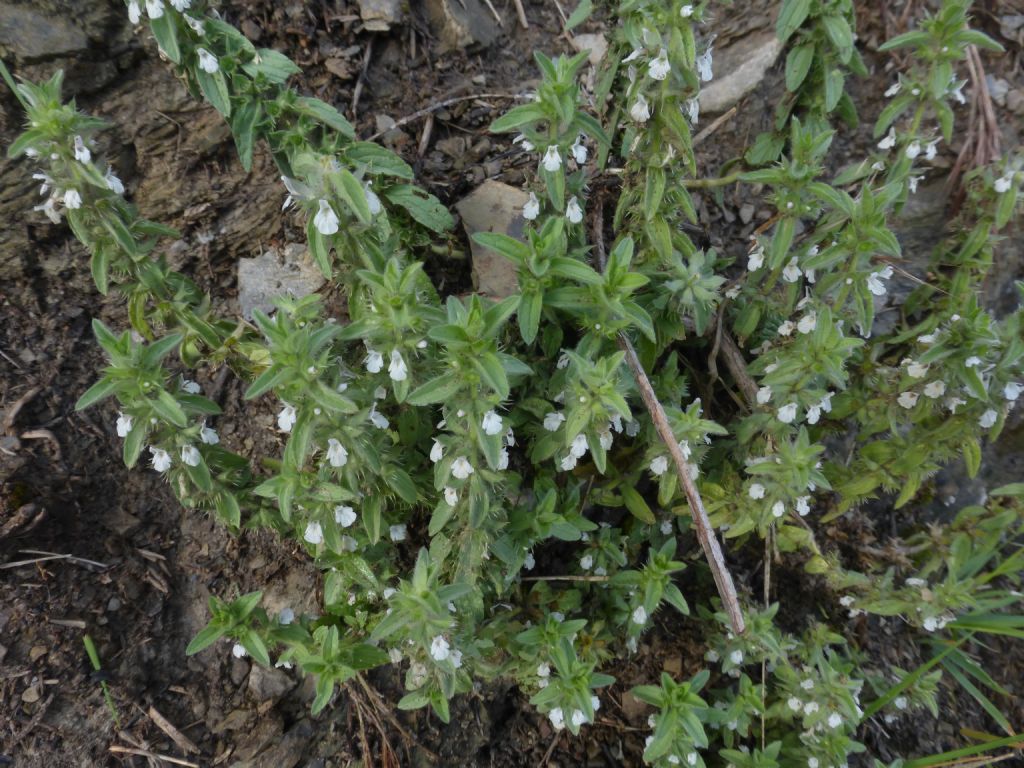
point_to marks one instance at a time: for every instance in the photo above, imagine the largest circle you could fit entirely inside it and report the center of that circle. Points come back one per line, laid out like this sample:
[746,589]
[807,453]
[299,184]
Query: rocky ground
[108,552]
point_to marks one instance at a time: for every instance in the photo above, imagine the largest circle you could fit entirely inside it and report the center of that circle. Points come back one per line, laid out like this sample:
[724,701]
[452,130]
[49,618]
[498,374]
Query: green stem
[720,181]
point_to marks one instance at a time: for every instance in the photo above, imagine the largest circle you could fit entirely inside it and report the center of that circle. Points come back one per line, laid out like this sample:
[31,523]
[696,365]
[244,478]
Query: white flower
[124,425]
[344,516]
[666,527]
[703,64]
[238,651]
[930,624]
[579,151]
[913,581]
[931,150]
[557,718]
[82,153]
[900,702]
[659,66]
[636,54]
[916,371]
[972,362]
[155,8]
[908,399]
[532,208]
[764,394]
[875,284]
[348,544]
[988,419]
[456,658]
[1012,391]
[605,439]
[641,110]
[379,420]
[953,403]
[314,533]
[134,12]
[72,199]
[503,460]
[755,259]
[286,418]
[573,212]
[808,685]
[578,718]
[208,63]
[461,468]
[834,720]
[912,183]
[659,465]
[553,421]
[337,456]
[802,506]
[795,704]
[374,361]
[691,759]
[113,183]
[639,615]
[889,141]
[935,389]
[692,107]
[552,160]
[811,707]
[398,532]
[812,762]
[1003,183]
[436,452]
[196,24]
[913,149]
[50,209]
[326,220]
[396,368]
[787,413]
[778,509]
[787,328]
[439,648]
[372,200]
[190,455]
[181,5]
[451,496]
[808,322]
[587,562]
[893,89]
[543,670]
[756,491]
[791,272]
[568,463]
[686,11]
[524,142]
[579,446]
[529,561]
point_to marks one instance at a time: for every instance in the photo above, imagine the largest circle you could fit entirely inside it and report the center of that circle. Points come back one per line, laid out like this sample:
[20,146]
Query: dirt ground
[131,569]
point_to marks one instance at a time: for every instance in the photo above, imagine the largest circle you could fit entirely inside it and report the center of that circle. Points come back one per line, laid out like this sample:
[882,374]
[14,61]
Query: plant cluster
[435,450]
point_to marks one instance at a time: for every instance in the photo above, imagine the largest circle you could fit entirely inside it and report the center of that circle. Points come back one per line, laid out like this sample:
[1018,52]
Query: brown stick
[701,523]
[152,755]
[521,13]
[441,105]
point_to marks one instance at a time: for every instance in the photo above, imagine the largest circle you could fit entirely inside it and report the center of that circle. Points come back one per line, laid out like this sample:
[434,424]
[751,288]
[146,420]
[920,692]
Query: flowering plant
[435,451]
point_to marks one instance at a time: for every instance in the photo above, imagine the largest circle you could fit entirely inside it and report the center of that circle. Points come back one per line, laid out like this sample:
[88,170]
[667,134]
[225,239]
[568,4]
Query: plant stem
[720,181]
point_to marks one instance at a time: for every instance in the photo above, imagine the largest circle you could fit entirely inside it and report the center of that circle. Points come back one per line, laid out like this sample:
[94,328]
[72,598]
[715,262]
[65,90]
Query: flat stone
[271,274]
[379,15]
[595,43]
[493,207]
[32,36]
[738,69]
[268,684]
[461,23]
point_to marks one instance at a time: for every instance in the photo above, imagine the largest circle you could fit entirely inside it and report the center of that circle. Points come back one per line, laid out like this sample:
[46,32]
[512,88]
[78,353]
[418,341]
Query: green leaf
[1013,489]
[243,127]
[168,409]
[326,114]
[207,636]
[636,505]
[253,643]
[517,117]
[215,90]
[347,187]
[166,34]
[424,208]
[377,160]
[269,379]
[914,37]
[530,306]
[562,266]
[833,88]
[581,14]
[274,66]
[437,390]
[972,457]
[98,266]
[133,444]
[501,243]
[228,508]
[838,30]
[792,15]
[798,64]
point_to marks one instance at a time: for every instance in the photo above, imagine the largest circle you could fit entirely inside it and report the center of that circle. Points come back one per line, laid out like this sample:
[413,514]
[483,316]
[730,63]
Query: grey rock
[32,36]
[461,23]
[268,684]
[493,207]
[738,69]
[270,274]
[595,43]
[379,15]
